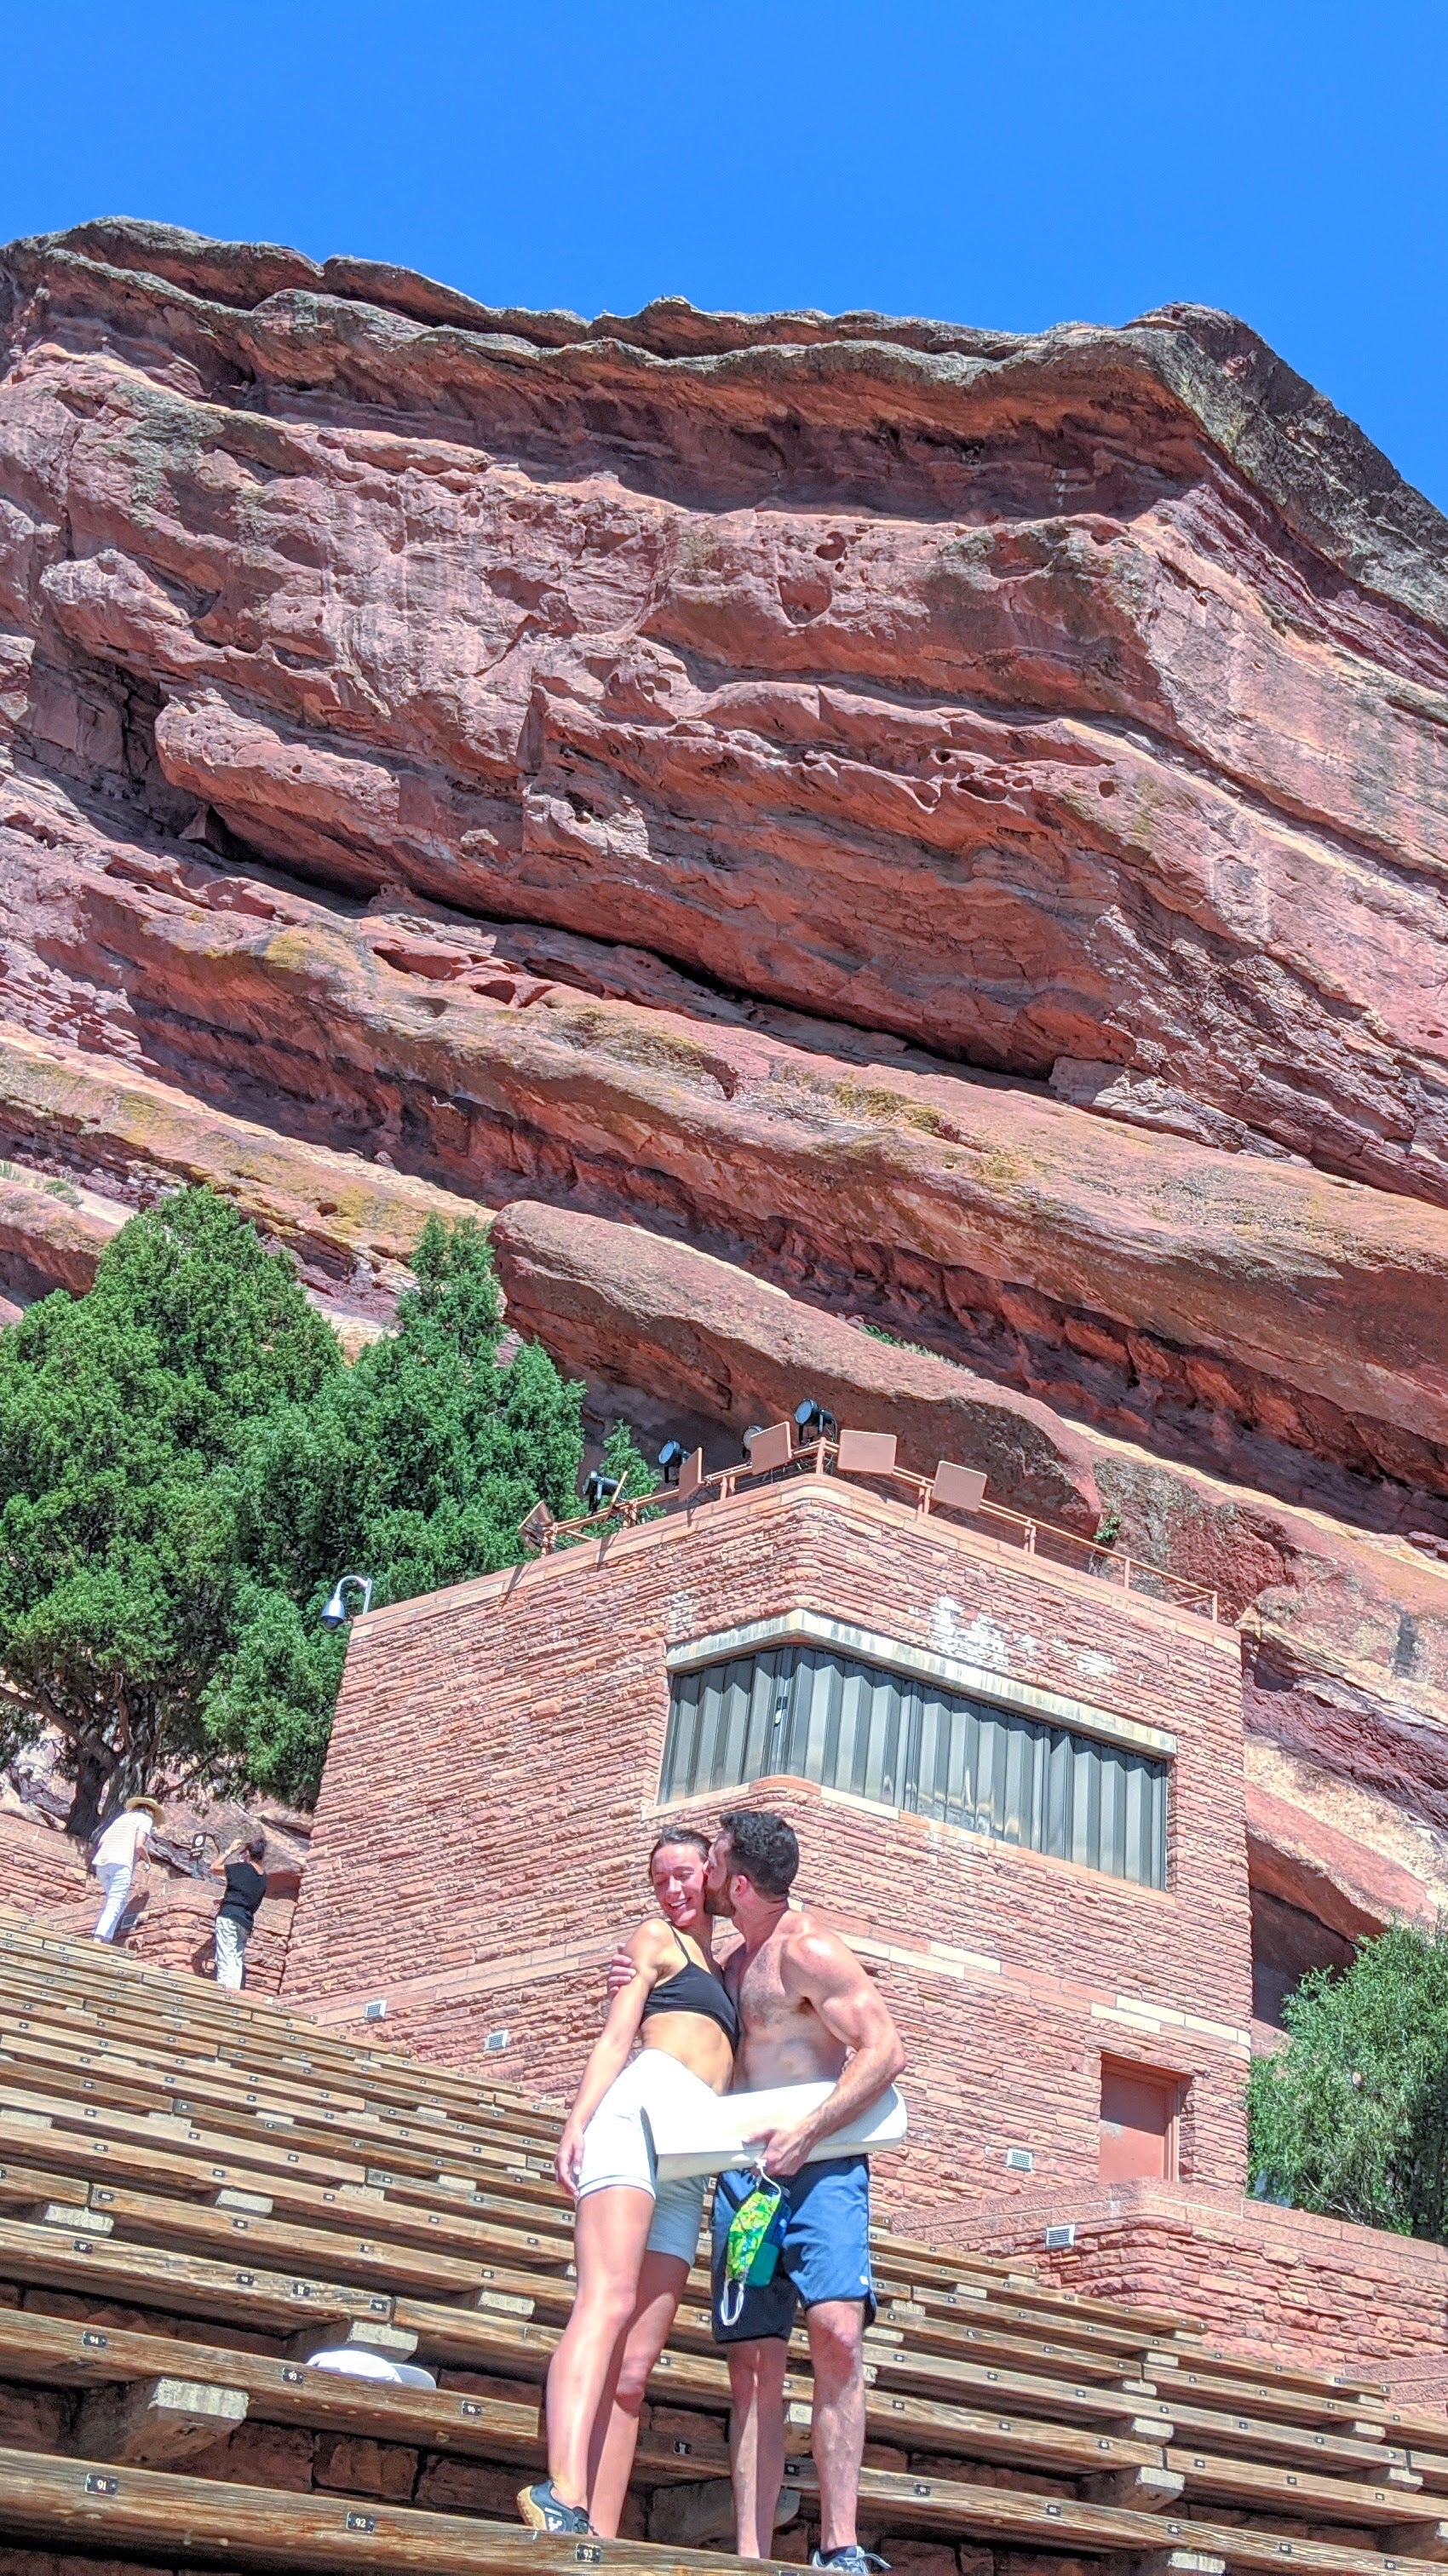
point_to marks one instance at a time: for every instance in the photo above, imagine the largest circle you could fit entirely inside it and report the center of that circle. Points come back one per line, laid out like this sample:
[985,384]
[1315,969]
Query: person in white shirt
[115,1857]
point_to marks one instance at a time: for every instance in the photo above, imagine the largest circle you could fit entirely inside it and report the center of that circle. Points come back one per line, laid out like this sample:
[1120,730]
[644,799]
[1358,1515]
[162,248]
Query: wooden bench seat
[1241,2388]
[94,2506]
[381,2260]
[1394,2502]
[145,2276]
[60,2352]
[85,2103]
[32,2112]
[252,2033]
[1260,2437]
[36,2123]
[460,2224]
[63,2353]
[102,2508]
[123,2080]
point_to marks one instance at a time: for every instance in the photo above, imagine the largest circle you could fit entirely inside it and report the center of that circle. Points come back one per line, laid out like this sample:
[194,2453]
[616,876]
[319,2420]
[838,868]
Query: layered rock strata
[948,826]
[1068,703]
[1152,1285]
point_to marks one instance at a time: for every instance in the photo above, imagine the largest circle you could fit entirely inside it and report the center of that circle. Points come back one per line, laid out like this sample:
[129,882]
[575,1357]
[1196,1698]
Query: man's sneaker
[852,2560]
[543,2509]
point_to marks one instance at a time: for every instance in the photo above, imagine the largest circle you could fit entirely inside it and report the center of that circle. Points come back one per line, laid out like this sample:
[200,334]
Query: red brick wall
[41,1870]
[489,1800]
[1273,2284]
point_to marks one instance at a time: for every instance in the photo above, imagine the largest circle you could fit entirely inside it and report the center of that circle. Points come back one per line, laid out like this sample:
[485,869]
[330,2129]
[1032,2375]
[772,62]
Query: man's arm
[821,1970]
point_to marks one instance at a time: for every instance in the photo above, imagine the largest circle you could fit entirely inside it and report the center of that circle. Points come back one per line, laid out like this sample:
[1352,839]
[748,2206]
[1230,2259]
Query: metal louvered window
[903,1742]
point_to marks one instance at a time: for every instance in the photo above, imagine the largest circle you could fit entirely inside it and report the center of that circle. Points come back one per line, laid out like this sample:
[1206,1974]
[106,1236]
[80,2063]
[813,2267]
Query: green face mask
[751,2248]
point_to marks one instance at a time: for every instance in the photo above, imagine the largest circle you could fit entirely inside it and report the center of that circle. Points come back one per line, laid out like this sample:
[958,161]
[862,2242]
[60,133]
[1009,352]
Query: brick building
[1018,1789]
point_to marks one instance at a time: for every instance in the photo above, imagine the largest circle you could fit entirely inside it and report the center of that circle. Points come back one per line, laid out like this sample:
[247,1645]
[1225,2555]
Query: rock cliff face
[951,828]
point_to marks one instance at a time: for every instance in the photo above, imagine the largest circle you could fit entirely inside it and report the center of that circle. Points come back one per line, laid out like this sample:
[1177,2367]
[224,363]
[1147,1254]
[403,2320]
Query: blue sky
[1005,165]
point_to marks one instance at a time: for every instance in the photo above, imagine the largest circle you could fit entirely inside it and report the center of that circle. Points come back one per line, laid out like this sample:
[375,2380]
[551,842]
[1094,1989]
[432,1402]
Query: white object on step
[709,2143]
[353,2361]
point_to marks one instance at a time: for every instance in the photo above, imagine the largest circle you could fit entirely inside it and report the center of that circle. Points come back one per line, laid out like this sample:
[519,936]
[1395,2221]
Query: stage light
[600,1490]
[337,1613]
[671,1460]
[813,1422]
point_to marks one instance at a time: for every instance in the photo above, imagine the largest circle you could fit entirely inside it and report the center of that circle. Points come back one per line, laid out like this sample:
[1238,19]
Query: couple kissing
[791,2008]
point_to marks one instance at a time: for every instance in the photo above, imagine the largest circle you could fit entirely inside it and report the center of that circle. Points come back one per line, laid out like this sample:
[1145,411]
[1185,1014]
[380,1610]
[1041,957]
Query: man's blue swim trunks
[824,2252]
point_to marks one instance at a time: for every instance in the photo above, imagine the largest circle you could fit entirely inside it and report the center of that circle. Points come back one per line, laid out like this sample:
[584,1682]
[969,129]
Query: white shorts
[618,2149]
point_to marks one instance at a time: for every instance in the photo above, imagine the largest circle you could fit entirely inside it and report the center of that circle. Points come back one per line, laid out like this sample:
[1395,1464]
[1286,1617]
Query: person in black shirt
[246,1885]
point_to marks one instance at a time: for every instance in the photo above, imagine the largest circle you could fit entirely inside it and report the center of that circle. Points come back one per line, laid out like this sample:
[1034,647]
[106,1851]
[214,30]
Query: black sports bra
[692,1989]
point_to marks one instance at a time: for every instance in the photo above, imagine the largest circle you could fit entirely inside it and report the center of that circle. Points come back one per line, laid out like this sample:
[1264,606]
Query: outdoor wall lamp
[337,1613]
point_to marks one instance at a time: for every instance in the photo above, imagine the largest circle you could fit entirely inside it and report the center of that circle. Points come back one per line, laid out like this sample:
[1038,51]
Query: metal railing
[821,1457]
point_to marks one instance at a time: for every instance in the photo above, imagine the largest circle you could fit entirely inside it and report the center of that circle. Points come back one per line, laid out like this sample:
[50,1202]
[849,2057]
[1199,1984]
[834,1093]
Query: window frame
[922,1676]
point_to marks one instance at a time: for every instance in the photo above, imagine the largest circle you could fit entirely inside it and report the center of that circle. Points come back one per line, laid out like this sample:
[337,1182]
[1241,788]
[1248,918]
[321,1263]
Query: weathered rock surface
[50,1236]
[1055,702]
[1151,1285]
[1340,1882]
[952,826]
[351,1225]
[619,1304]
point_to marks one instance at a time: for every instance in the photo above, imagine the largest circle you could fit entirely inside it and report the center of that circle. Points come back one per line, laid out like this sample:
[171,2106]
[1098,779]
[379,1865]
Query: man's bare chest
[765,2003]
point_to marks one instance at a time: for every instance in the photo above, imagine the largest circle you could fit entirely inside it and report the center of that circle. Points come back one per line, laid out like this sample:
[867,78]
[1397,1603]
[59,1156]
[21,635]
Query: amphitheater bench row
[1130,2461]
[153,2226]
[1016,2335]
[185,2522]
[62,2352]
[100,2507]
[1227,2386]
[73,1977]
[369,2067]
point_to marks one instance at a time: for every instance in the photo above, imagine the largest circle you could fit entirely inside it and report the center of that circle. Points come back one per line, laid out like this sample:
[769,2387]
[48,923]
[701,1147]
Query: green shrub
[1350,2118]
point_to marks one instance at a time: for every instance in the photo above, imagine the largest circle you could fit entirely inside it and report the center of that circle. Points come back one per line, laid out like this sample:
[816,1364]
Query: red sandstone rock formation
[950,825]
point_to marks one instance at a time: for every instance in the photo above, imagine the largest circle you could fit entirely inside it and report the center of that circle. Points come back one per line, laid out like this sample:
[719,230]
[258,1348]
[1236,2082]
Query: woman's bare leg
[616,2425]
[609,2238]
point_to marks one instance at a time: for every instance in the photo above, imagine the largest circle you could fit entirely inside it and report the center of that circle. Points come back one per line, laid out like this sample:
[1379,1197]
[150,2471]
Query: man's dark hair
[256,1848]
[763,1847]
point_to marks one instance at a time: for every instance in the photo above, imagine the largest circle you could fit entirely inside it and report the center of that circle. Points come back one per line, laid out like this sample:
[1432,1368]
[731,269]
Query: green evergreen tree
[1351,2118]
[124,1420]
[186,1466]
[415,1467]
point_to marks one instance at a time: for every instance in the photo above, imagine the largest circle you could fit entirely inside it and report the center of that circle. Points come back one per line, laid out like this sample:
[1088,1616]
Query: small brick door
[1138,2124]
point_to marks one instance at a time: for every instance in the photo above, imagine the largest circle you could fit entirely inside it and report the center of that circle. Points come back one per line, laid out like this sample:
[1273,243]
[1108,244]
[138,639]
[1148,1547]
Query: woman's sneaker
[543,2509]
[852,2560]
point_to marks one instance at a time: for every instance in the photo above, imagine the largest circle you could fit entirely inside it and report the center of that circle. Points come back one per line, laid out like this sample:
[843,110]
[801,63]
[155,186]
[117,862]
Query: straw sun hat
[152,1806]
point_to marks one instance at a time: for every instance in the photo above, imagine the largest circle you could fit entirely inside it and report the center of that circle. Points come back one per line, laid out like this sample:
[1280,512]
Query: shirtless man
[807,2011]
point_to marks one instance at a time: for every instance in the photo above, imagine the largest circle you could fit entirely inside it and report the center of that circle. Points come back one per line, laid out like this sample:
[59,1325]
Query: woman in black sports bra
[635,2237]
